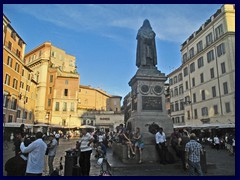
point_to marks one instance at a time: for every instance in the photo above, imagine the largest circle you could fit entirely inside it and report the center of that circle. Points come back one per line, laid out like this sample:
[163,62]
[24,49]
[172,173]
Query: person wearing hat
[52,149]
[193,151]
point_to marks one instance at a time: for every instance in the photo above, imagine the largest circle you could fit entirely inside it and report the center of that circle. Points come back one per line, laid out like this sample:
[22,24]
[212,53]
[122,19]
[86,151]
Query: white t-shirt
[84,140]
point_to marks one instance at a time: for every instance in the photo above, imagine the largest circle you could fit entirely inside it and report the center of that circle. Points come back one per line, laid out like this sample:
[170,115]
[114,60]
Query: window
[10,118]
[193,82]
[65,92]
[181,104]
[7,79]
[203,95]
[186,83]
[194,97]
[199,46]
[72,106]
[66,81]
[187,99]
[64,122]
[22,72]
[18,113]
[13,35]
[170,82]
[180,77]
[176,106]
[57,106]
[225,88]
[28,88]
[227,106]
[191,52]
[20,42]
[17,67]
[182,119]
[195,114]
[184,57]
[50,90]
[176,91]
[51,78]
[14,103]
[9,45]
[223,67]
[181,89]
[188,114]
[210,56]
[29,76]
[15,83]
[204,111]
[201,78]
[40,54]
[214,93]
[215,108]
[30,115]
[49,102]
[220,49]
[5,100]
[26,100]
[175,79]
[192,67]
[53,54]
[212,73]
[209,39]
[219,31]
[18,53]
[25,114]
[64,106]
[185,71]
[200,62]
[9,61]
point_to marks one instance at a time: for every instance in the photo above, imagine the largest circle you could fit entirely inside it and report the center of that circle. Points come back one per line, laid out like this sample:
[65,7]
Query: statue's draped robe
[146,47]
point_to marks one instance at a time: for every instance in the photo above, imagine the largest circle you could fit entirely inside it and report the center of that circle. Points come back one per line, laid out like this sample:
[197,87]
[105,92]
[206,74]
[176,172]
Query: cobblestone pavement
[220,163]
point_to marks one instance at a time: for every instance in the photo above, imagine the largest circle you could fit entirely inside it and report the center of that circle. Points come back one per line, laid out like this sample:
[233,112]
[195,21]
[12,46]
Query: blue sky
[102,37]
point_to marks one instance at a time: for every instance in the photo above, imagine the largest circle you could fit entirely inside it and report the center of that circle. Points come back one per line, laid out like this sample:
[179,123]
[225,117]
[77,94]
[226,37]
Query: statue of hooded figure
[146,47]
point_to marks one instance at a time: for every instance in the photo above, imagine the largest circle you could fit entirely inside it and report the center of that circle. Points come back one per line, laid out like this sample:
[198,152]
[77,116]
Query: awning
[56,126]
[40,125]
[16,124]
[87,126]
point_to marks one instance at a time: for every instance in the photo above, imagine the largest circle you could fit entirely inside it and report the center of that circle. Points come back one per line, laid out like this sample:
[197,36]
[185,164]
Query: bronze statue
[146,47]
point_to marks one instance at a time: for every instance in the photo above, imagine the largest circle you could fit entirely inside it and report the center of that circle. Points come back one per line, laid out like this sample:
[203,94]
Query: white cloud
[170,22]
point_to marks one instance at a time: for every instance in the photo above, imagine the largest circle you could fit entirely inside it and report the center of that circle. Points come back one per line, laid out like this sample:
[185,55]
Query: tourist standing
[161,145]
[52,149]
[84,161]
[36,150]
[216,142]
[193,151]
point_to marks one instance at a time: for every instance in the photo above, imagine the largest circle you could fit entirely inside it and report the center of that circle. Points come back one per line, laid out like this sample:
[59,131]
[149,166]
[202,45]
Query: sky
[102,37]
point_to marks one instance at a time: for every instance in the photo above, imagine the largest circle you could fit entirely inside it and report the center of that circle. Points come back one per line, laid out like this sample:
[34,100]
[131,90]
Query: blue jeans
[195,166]
[50,164]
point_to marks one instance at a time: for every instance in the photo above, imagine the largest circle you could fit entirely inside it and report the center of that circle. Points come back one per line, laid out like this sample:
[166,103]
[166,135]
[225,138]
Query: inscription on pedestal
[151,103]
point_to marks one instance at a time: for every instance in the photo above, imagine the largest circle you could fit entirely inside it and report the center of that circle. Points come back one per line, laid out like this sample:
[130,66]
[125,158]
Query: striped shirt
[194,149]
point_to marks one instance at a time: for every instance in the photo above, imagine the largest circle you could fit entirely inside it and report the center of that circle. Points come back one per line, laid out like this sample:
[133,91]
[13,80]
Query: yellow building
[57,90]
[18,86]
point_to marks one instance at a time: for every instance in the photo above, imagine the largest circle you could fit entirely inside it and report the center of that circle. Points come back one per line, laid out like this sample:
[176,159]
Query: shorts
[139,145]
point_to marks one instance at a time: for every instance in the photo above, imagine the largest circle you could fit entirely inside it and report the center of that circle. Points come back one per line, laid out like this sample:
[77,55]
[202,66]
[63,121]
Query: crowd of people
[31,152]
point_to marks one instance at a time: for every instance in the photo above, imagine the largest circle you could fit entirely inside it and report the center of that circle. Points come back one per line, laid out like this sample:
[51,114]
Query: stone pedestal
[148,106]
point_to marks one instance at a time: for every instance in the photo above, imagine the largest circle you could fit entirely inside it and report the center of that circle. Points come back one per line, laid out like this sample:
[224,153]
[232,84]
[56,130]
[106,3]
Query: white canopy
[16,124]
[87,126]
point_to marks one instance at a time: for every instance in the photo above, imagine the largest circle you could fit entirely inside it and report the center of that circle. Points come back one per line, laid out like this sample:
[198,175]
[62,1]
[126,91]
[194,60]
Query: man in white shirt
[161,148]
[84,161]
[36,150]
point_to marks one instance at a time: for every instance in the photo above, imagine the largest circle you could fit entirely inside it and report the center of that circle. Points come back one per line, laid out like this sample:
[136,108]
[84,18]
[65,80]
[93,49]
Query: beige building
[99,109]
[19,88]
[57,90]
[208,74]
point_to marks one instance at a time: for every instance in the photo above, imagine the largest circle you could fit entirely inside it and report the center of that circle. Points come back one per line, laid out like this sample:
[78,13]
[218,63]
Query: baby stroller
[103,163]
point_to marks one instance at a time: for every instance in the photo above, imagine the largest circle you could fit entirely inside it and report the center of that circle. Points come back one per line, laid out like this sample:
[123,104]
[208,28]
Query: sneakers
[140,161]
